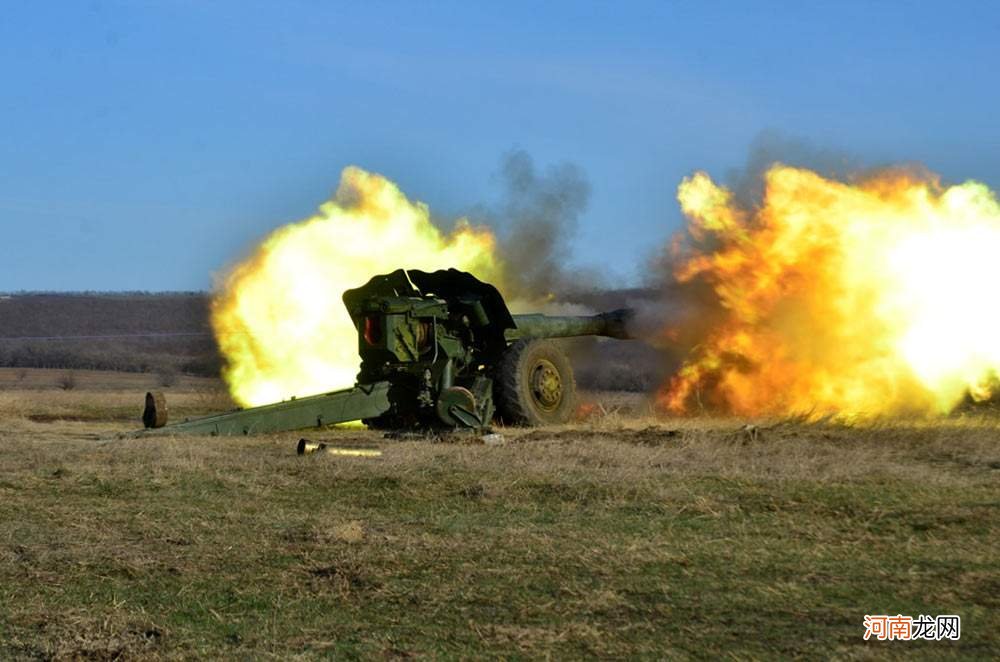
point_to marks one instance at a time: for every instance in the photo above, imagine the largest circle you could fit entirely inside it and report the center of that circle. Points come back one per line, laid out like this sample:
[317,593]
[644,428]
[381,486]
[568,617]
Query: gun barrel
[611,325]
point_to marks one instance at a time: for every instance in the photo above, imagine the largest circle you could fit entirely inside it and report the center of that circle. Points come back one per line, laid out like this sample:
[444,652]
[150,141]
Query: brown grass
[622,536]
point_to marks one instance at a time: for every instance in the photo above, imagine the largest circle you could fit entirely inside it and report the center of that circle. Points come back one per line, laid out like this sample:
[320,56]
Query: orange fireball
[856,299]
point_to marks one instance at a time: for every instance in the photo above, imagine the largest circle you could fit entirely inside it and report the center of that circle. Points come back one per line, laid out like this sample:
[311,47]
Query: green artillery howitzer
[437,349]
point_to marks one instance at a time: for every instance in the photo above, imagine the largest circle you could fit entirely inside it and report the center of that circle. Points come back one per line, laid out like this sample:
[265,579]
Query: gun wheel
[535,384]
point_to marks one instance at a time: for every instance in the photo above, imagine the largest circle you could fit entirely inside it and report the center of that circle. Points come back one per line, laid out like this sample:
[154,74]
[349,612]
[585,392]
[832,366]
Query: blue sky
[146,145]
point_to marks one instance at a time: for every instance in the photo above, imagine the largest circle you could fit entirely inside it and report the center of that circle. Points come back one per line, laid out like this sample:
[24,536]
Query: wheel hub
[546,385]
[453,403]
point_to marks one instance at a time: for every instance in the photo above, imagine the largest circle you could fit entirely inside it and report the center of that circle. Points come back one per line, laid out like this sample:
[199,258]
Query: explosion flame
[278,315]
[856,299]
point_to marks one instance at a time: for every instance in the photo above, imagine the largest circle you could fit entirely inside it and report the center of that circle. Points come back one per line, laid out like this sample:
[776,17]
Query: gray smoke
[537,218]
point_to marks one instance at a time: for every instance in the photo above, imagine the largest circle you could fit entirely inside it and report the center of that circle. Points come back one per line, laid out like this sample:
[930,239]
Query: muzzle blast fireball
[864,298]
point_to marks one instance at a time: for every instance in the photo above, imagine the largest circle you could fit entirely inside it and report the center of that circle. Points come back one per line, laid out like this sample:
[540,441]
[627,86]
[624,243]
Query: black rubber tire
[517,400]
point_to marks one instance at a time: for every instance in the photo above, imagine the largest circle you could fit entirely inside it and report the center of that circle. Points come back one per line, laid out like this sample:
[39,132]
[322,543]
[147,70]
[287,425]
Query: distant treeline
[99,293]
[133,332]
[170,333]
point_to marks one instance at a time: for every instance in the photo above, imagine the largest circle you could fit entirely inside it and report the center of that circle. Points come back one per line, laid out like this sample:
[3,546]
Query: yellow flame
[278,315]
[864,299]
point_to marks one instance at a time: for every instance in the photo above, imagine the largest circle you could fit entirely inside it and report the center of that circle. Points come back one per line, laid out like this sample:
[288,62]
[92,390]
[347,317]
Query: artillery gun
[438,349]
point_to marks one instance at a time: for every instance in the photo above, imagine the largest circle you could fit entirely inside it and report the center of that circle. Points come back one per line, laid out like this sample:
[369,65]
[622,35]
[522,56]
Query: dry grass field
[620,536]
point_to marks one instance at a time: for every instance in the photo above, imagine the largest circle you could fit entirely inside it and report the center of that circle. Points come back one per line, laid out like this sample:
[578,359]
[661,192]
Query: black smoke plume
[536,218]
